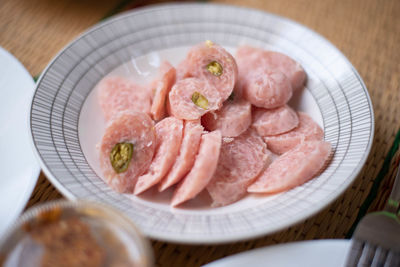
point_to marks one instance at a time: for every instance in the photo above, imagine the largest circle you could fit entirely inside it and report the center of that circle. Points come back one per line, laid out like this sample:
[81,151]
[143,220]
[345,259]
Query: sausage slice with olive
[127,149]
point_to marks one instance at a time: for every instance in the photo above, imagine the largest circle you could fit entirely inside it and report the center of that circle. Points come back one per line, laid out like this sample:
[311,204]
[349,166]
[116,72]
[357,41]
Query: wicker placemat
[366,31]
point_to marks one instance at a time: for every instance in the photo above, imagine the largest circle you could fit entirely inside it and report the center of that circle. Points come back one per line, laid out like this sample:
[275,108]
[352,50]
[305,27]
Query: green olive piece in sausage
[200,100]
[121,156]
[209,43]
[215,68]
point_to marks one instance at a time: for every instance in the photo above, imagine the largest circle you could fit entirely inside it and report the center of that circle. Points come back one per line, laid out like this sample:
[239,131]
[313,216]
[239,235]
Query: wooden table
[366,31]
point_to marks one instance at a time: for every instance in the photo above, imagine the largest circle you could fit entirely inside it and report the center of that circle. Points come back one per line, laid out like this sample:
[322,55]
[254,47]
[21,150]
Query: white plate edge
[36,169]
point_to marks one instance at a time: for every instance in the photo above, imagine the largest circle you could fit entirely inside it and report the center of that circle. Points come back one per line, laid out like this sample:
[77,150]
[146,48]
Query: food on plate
[118,94]
[162,88]
[212,63]
[267,88]
[203,169]
[250,58]
[232,119]
[229,131]
[190,145]
[274,121]
[182,70]
[168,142]
[126,149]
[307,130]
[293,168]
[191,98]
[240,162]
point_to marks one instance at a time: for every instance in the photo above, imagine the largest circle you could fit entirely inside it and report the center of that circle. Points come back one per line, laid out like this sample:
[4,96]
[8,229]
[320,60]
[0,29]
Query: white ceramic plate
[19,167]
[67,123]
[327,253]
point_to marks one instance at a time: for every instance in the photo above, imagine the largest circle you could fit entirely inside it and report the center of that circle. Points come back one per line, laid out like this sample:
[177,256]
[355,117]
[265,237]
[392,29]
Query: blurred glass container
[77,233]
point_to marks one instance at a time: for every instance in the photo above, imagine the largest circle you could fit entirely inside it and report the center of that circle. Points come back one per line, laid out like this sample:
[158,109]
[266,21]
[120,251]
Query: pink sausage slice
[274,121]
[293,168]
[239,164]
[118,94]
[288,66]
[212,63]
[232,119]
[151,88]
[190,145]
[249,58]
[191,98]
[163,86]
[169,137]
[133,127]
[202,171]
[307,130]
[267,89]
[182,70]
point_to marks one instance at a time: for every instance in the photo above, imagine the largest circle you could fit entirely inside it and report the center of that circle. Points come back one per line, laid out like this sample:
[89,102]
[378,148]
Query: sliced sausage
[190,146]
[162,88]
[293,168]
[118,94]
[232,119]
[203,169]
[239,164]
[169,137]
[267,88]
[274,121]
[288,66]
[307,130]
[128,127]
[182,70]
[191,98]
[249,58]
[151,87]
[214,64]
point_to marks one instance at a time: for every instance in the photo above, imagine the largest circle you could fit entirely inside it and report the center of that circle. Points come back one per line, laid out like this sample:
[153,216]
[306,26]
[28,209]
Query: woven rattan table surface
[366,31]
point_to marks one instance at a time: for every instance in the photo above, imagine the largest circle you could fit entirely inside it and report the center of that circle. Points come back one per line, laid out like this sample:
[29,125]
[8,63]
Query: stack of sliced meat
[215,123]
